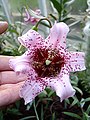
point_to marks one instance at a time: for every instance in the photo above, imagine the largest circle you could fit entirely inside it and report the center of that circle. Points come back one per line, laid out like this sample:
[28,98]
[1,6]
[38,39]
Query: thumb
[3,26]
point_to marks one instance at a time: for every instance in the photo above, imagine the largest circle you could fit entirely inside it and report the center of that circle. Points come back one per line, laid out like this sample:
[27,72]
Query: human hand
[10,83]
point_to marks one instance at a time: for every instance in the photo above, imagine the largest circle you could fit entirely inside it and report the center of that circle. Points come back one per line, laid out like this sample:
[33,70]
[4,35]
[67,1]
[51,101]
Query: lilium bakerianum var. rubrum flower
[32,19]
[47,63]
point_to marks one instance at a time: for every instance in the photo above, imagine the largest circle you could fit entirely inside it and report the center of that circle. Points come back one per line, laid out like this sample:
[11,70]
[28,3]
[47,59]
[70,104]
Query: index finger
[4,63]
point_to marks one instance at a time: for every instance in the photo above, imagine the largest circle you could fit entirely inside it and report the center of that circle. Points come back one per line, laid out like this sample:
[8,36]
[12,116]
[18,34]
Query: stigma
[48,62]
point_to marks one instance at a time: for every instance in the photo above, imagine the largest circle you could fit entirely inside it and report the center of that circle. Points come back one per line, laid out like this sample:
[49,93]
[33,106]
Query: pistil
[48,62]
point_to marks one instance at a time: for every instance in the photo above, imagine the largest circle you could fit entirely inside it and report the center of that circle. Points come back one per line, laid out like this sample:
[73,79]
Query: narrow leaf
[76,38]
[73,115]
[27,118]
[88,110]
[76,88]
[86,100]
[57,5]
[75,101]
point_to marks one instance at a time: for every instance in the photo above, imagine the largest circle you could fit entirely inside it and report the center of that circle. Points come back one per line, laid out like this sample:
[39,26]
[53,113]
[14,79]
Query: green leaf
[73,115]
[48,99]
[82,103]
[17,103]
[27,118]
[51,93]
[29,105]
[65,19]
[67,101]
[86,100]
[85,116]
[76,38]
[88,110]
[42,112]
[64,1]
[42,94]
[37,117]
[1,115]
[57,6]
[53,116]
[75,101]
[76,88]
[14,111]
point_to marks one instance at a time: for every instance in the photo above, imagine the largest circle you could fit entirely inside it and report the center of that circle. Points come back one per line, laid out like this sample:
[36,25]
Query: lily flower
[33,16]
[47,63]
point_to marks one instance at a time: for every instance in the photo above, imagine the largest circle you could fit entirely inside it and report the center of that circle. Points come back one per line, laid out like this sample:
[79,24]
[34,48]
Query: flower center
[47,63]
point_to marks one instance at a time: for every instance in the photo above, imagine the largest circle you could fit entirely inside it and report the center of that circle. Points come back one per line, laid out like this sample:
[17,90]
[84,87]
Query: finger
[10,95]
[3,26]
[4,62]
[11,77]
[7,86]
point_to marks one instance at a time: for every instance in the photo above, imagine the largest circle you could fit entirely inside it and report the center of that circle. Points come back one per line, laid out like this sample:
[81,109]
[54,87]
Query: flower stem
[35,110]
[42,20]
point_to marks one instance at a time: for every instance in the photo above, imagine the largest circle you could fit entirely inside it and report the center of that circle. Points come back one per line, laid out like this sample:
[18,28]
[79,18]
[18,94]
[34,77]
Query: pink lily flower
[32,19]
[47,63]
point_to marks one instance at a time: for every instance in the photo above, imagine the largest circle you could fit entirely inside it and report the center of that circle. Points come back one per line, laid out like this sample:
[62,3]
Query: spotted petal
[31,88]
[76,61]
[57,36]
[61,84]
[31,39]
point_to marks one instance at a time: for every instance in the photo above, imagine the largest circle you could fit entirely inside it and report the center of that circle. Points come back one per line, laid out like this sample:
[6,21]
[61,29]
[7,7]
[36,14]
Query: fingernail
[3,23]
